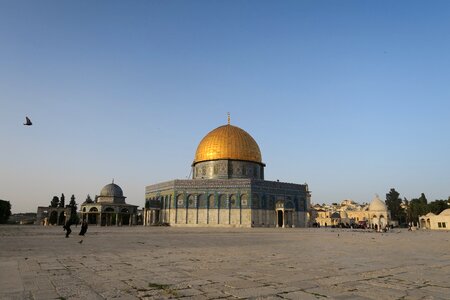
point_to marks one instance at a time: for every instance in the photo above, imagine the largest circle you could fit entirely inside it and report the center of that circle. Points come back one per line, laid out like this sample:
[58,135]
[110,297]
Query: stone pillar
[99,221]
[284,219]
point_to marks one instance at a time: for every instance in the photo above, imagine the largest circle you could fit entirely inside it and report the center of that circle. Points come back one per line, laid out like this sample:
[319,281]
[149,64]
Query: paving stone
[222,263]
[298,295]
[10,280]
[251,292]
[239,284]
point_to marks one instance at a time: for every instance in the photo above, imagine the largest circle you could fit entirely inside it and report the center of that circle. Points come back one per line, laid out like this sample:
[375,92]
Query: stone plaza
[37,262]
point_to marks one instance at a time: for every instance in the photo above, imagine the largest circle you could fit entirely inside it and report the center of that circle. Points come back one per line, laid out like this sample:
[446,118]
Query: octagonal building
[227,189]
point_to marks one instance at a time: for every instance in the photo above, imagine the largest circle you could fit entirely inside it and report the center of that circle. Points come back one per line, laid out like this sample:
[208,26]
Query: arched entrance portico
[383,222]
[53,218]
[124,216]
[92,216]
[108,217]
[285,214]
[280,220]
[62,218]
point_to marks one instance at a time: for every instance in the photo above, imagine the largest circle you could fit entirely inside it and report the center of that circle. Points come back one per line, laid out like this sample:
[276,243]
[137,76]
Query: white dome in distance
[377,204]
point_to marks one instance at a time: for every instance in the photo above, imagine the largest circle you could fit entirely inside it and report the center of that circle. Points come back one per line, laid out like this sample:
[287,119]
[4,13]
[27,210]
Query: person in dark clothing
[67,228]
[84,227]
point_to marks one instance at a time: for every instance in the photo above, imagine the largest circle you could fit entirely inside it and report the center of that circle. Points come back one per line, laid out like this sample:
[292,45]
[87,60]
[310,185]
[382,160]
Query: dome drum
[226,169]
[228,152]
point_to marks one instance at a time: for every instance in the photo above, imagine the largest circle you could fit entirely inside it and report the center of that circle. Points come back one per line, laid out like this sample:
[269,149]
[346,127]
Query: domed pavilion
[227,189]
[378,214]
[109,208]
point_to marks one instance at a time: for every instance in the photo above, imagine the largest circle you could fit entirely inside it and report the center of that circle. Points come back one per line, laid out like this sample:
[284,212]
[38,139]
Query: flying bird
[27,122]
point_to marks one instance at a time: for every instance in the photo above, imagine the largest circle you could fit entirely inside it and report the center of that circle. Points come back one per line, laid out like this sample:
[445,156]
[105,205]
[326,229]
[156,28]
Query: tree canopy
[418,207]
[437,206]
[393,203]
[73,210]
[62,201]
[54,202]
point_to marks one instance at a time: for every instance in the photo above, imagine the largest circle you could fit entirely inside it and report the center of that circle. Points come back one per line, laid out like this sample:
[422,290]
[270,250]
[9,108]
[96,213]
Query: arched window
[233,201]
[256,203]
[180,200]
[201,199]
[244,200]
[191,201]
[223,203]
[264,202]
[211,201]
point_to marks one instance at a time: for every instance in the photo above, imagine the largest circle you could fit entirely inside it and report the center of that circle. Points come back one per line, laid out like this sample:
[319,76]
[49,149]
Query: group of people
[84,227]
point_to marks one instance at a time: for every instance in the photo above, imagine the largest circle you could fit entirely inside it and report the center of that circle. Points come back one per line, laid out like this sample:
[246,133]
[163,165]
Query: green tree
[408,212]
[418,207]
[437,206]
[54,202]
[393,203]
[62,201]
[73,210]
[5,211]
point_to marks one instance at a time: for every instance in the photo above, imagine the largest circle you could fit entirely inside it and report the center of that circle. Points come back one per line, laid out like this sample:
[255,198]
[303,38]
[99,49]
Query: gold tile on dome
[228,142]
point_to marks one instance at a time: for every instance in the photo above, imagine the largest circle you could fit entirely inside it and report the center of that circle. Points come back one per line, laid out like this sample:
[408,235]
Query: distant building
[436,222]
[47,215]
[109,208]
[348,213]
[22,218]
[227,189]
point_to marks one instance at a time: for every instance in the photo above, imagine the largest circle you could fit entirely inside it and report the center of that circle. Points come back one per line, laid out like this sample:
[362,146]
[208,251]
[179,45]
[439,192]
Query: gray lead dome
[111,190]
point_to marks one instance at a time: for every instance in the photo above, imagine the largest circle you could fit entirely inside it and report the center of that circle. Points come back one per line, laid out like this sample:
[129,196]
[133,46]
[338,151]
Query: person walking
[67,228]
[84,227]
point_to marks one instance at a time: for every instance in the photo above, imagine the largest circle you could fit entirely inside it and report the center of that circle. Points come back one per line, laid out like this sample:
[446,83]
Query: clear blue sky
[352,97]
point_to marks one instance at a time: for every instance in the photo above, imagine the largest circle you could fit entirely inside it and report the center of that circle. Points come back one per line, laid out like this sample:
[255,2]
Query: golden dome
[228,142]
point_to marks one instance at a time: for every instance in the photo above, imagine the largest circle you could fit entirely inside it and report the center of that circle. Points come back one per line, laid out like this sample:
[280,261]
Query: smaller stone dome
[88,199]
[377,205]
[111,190]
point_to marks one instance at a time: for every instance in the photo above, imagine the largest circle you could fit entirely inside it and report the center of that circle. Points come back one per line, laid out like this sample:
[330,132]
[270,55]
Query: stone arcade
[227,189]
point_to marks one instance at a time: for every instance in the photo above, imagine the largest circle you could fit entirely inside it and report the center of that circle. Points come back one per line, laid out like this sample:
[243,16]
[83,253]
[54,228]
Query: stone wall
[228,202]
